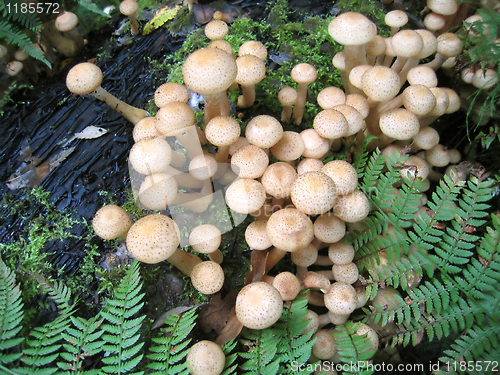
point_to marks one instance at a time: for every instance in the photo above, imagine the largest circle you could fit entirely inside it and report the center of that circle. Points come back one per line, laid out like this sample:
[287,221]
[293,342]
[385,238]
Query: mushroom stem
[184,180]
[212,106]
[275,255]
[183,261]
[248,98]
[133,114]
[196,202]
[300,105]
[134,25]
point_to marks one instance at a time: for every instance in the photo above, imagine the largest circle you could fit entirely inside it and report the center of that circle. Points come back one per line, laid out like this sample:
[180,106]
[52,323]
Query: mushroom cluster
[302,202]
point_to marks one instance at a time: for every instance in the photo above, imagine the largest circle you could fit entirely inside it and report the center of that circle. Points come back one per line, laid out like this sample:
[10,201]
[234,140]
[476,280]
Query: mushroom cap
[330,124]
[256,235]
[289,147]
[380,83]
[145,128]
[418,99]
[263,131]
[84,78]
[444,7]
[249,162]
[288,285]
[258,305]
[396,18]
[222,45]
[304,73]
[371,335]
[343,175]
[442,101]
[434,21]
[128,7]
[449,45]
[376,46]
[324,347]
[157,191]
[170,92]
[222,131]
[430,43]
[290,229]
[216,29]
[313,193]
[153,238]
[426,138]
[341,253]
[422,75]
[484,79]
[399,124]
[209,71]
[251,70]
[150,155]
[309,165]
[341,298]
[354,118]
[203,166]
[438,156]
[173,117]
[331,96]
[111,222]
[347,273]
[352,29]
[239,143]
[287,96]
[315,146]
[13,68]
[206,358]
[66,21]
[207,277]
[407,43]
[360,104]
[205,238]
[352,207]
[278,179]
[253,47]
[245,195]
[329,228]
[305,257]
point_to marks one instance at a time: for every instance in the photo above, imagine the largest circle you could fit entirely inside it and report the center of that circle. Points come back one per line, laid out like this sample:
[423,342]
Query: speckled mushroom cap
[341,298]
[305,257]
[347,273]
[251,70]
[309,165]
[329,97]
[153,238]
[422,75]
[128,7]
[371,335]
[289,147]
[216,29]
[418,99]
[304,73]
[170,92]
[449,45]
[407,43]
[263,131]
[380,83]
[66,21]
[278,179]
[207,277]
[289,229]
[426,138]
[245,196]
[258,305]
[313,193]
[222,45]
[351,28]
[341,253]
[329,228]
[84,78]
[111,222]
[288,285]
[256,235]
[399,124]
[253,47]
[150,155]
[352,207]
[396,18]
[249,162]
[343,175]
[430,43]
[145,128]
[222,131]
[354,118]
[205,358]
[324,347]
[157,191]
[205,238]
[209,71]
[173,117]
[203,166]
[444,7]
[330,124]
[287,96]
[315,146]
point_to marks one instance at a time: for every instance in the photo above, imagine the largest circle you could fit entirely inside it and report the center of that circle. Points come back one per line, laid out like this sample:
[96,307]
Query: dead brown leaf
[258,263]
[215,314]
[231,330]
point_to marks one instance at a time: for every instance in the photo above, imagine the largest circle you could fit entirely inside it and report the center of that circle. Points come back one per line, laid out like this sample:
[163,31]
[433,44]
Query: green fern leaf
[89,5]
[121,331]
[169,353]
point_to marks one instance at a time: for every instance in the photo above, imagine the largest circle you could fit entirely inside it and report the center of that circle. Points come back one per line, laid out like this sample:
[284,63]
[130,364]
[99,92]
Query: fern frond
[89,5]
[11,314]
[263,348]
[372,172]
[122,331]
[373,226]
[230,366]
[362,155]
[81,341]
[14,36]
[169,353]
[25,19]
[43,349]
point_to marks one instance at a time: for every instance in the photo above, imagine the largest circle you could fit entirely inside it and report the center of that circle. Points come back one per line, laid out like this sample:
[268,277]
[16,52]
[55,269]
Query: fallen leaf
[161,16]
[178,310]
[91,132]
[231,330]
[215,314]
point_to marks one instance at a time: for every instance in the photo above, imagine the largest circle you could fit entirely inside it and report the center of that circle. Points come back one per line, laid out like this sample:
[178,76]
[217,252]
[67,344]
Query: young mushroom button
[258,305]
[111,222]
[205,358]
